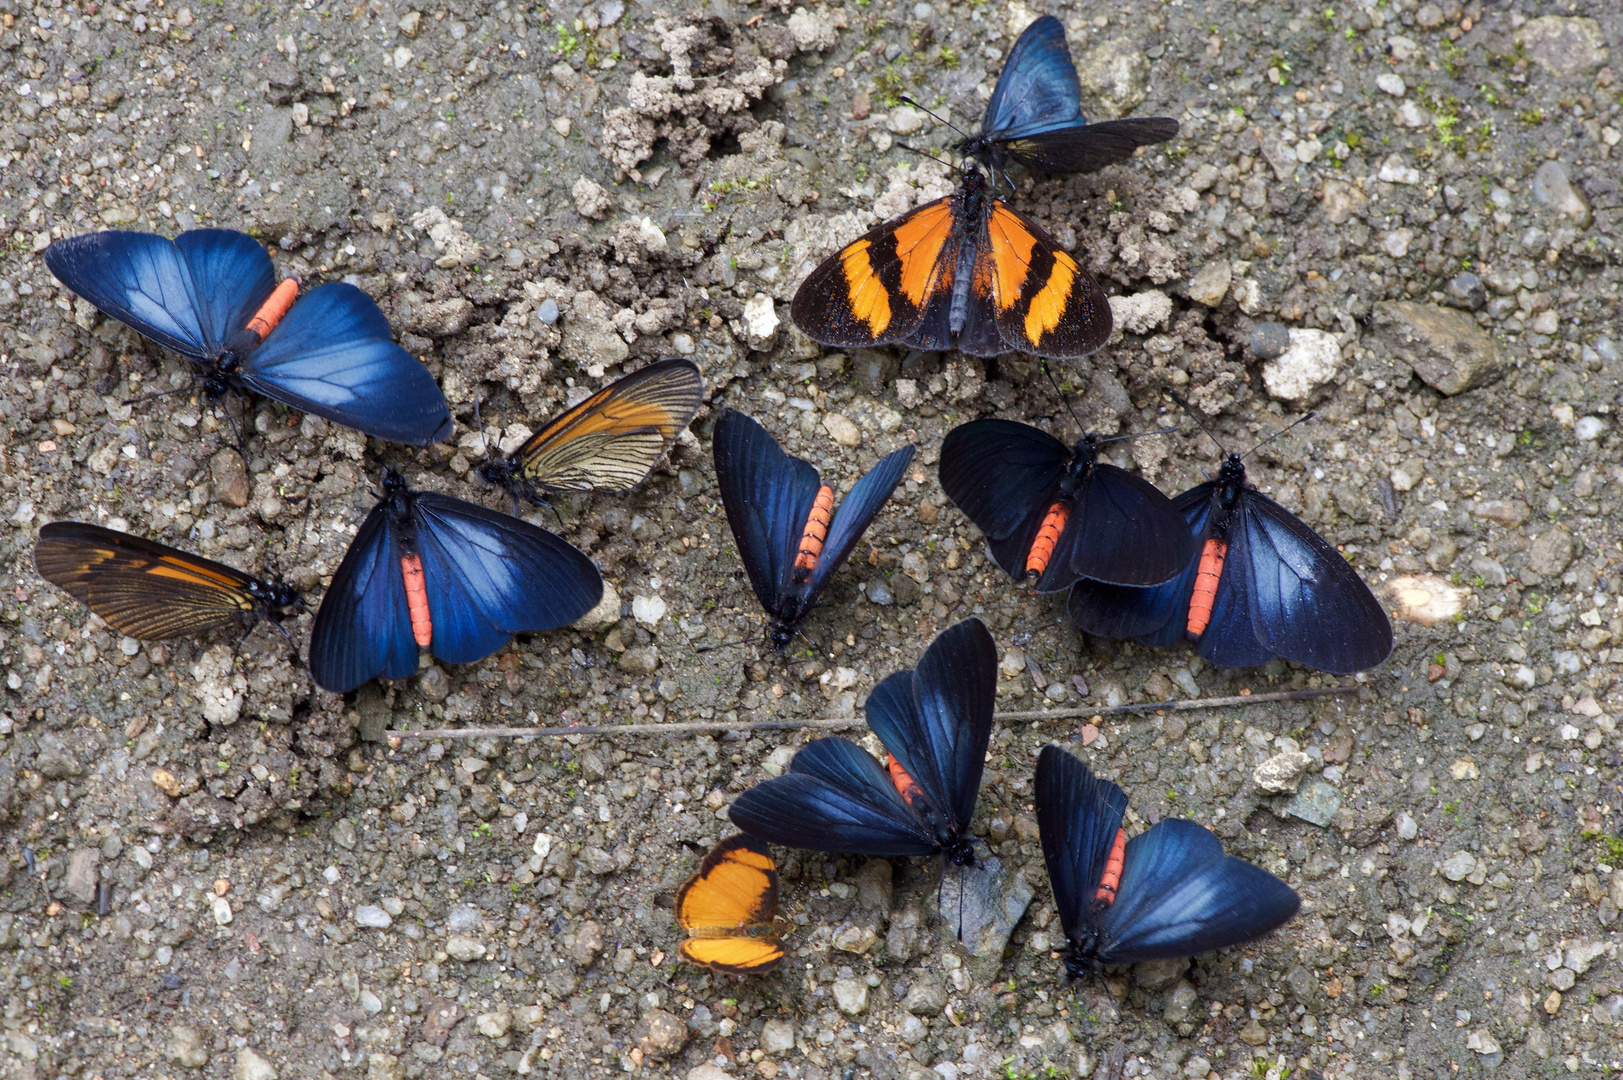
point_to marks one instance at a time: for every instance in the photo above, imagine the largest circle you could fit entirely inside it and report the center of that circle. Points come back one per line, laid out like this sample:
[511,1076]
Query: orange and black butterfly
[152,591]
[608,442]
[728,908]
[965,272]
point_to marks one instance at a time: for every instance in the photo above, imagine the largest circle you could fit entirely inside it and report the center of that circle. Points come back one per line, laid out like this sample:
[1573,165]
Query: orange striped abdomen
[422,626]
[905,784]
[271,311]
[1042,548]
[811,540]
[1207,575]
[1110,880]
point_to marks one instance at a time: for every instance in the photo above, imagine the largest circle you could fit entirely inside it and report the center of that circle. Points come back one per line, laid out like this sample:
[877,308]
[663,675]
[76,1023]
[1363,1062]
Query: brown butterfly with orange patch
[965,272]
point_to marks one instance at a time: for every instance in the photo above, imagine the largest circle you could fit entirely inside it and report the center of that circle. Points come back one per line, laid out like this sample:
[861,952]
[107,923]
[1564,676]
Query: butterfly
[728,909]
[934,722]
[151,591]
[1261,585]
[965,272]
[211,295]
[608,442]
[1059,512]
[1035,114]
[784,521]
[1166,893]
[427,571]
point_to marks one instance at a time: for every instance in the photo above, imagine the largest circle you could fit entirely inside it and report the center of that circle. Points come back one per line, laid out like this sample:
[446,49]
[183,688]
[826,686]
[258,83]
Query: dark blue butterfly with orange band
[427,571]
[1166,893]
[211,295]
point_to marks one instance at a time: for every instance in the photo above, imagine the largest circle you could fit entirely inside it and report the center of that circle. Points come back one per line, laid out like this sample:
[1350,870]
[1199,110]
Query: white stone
[493,1025]
[1141,312]
[222,910]
[851,996]
[904,120]
[1311,360]
[1459,866]
[1394,170]
[464,948]
[1391,82]
[812,33]
[1482,1041]
[1396,243]
[1589,428]
[605,614]
[647,610]
[250,1066]
[1411,115]
[760,322]
[1282,772]
[777,1037]
[373,916]
[1408,828]
[1427,599]
[842,430]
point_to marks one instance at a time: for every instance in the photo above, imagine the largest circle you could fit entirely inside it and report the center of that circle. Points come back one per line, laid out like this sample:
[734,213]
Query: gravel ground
[1403,216]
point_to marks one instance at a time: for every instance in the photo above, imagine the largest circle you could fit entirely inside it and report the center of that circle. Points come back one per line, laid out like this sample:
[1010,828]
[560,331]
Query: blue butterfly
[1035,115]
[211,295]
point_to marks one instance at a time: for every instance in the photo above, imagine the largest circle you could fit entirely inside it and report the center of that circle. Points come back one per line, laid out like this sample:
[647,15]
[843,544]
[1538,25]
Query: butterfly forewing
[1044,302]
[1078,815]
[727,909]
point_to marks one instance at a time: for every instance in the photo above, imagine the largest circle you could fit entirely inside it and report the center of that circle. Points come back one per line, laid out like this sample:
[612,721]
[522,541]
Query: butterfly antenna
[1138,435]
[139,398]
[1066,401]
[723,645]
[905,100]
[1186,407]
[1278,434]
[932,157]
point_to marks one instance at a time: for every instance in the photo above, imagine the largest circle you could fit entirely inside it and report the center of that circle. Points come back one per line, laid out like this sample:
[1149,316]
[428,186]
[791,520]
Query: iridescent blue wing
[363,628]
[188,295]
[854,514]
[1078,815]
[1122,530]
[768,496]
[1038,90]
[332,355]
[1181,896]
[1156,615]
[490,576]
[1089,147]
[936,720]
[1003,475]
[1304,602]
[835,797]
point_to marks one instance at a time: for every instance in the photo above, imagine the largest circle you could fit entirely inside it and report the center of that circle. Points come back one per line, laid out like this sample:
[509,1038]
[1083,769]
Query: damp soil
[1402,217]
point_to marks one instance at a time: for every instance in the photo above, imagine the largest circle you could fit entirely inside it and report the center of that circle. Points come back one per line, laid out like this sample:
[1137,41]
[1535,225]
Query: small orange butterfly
[728,909]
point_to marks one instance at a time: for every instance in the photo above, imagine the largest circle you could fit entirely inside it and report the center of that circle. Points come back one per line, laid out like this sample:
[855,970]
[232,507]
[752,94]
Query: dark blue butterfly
[1035,115]
[211,295]
[1261,585]
[427,571]
[1165,893]
[935,723]
[783,518]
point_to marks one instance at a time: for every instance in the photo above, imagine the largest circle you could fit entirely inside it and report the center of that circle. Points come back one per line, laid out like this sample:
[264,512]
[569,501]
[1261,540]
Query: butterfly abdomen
[422,625]
[271,311]
[1207,576]
[1042,548]
[906,786]
[815,532]
[1110,880]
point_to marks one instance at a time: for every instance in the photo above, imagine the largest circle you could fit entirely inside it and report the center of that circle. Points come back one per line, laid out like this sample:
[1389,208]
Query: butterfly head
[275,595]
[960,850]
[1082,953]
[1232,474]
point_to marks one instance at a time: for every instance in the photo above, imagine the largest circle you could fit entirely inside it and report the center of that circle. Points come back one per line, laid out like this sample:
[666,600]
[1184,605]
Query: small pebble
[1269,341]
[548,311]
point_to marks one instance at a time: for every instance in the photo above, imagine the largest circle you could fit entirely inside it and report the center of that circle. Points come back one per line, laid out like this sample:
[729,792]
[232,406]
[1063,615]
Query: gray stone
[984,901]
[1269,340]
[1211,283]
[343,834]
[1482,1042]
[1304,987]
[1466,292]
[1115,73]
[547,312]
[667,1033]
[186,1047]
[84,874]
[1180,1004]
[1160,974]
[850,996]
[1446,348]
[875,887]
[1552,188]
[250,1066]
[1459,866]
[1564,46]
[926,997]
[373,916]
[1550,554]
[777,1037]
[464,947]
[1316,802]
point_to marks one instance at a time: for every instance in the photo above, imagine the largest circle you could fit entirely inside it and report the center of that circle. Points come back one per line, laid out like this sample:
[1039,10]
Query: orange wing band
[270,313]
[1209,573]
[1042,548]
[1110,880]
[905,784]
[422,626]
[811,541]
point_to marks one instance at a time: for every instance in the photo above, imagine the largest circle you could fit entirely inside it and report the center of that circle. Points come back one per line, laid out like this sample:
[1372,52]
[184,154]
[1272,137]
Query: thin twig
[850,721]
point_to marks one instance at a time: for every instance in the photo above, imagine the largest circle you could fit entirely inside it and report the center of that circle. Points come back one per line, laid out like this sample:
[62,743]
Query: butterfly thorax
[1230,487]
[273,596]
[1080,470]
[397,500]
[971,197]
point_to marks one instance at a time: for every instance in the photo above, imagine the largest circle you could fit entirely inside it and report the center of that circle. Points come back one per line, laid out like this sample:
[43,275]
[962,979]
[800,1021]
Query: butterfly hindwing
[835,797]
[1044,302]
[1122,530]
[332,355]
[728,906]
[1038,89]
[1078,815]
[1002,475]
[768,495]
[611,441]
[1181,896]
[363,628]
[1089,147]
[146,590]
[856,512]
[1156,614]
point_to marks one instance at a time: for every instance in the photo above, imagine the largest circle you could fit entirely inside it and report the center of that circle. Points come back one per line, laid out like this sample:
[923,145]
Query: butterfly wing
[610,441]
[1038,89]
[1087,148]
[1158,614]
[768,496]
[1304,601]
[187,295]
[936,720]
[1044,302]
[363,628]
[855,513]
[490,576]
[728,906]
[1181,896]
[147,590]
[1122,530]
[1078,815]
[332,355]
[874,291]
[1003,475]
[835,797]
